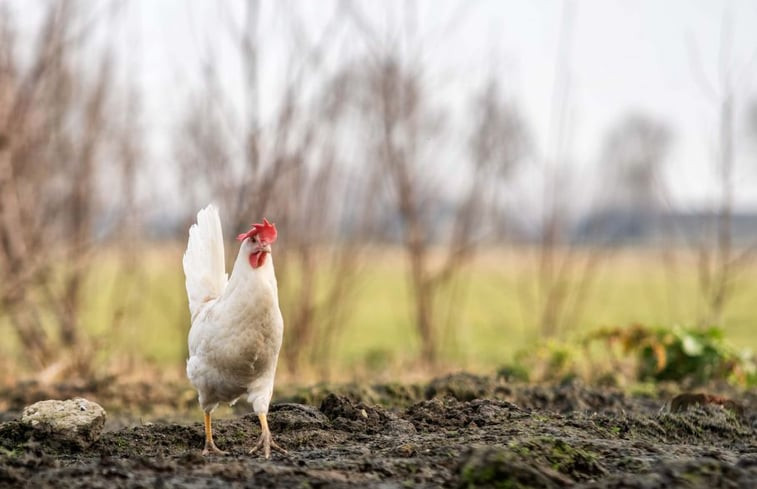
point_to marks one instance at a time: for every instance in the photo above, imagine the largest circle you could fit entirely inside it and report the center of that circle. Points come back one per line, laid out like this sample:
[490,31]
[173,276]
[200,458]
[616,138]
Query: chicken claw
[210,446]
[266,440]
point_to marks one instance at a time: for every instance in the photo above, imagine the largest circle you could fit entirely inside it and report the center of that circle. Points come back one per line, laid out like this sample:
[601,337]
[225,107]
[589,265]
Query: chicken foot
[266,440]
[210,446]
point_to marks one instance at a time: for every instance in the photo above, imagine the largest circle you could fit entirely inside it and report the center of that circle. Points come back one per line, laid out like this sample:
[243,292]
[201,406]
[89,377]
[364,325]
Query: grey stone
[76,422]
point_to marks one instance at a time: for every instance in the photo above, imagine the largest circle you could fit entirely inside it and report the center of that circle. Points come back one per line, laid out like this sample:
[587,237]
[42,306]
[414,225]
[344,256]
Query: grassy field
[138,313]
[496,312]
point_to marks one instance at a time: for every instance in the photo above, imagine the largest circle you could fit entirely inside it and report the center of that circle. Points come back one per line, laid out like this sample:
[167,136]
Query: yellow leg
[210,446]
[208,429]
[266,440]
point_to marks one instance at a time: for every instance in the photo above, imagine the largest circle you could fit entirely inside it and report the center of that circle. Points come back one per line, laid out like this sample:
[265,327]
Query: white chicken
[237,326]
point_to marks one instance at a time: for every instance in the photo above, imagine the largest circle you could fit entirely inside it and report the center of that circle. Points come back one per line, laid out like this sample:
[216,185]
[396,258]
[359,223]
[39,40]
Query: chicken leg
[266,440]
[210,446]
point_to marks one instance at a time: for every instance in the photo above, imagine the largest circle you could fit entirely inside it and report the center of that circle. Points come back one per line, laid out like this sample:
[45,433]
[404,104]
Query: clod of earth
[496,467]
[75,422]
[684,401]
[358,417]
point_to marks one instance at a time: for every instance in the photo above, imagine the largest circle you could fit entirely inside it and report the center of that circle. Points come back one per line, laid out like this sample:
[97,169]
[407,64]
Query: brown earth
[458,431]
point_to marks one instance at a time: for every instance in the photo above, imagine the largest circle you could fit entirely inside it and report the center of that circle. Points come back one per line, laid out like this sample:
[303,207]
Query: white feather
[204,263]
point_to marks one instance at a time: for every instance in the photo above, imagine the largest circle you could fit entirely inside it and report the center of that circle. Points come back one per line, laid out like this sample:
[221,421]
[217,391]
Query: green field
[496,311]
[138,316]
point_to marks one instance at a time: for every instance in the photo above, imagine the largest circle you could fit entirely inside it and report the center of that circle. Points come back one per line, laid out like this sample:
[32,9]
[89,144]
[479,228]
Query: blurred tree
[751,121]
[633,156]
[719,260]
[404,138]
[58,136]
[564,272]
[499,141]
[400,126]
[287,167]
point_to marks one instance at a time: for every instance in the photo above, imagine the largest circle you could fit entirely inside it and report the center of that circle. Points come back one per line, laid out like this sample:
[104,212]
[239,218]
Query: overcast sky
[652,56]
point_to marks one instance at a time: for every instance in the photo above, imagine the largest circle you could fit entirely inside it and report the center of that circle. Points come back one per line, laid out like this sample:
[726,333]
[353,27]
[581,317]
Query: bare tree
[403,139]
[55,130]
[716,270]
[564,274]
[499,141]
[633,155]
[288,168]
[719,260]
[751,120]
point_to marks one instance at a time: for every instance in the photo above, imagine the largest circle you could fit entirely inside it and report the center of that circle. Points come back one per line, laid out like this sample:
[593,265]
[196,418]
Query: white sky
[625,55]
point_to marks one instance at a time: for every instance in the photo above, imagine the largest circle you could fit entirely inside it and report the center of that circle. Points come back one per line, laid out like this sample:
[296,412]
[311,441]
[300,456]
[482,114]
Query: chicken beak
[265,247]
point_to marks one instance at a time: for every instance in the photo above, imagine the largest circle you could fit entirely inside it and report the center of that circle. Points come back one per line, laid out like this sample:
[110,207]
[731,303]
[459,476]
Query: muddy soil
[459,431]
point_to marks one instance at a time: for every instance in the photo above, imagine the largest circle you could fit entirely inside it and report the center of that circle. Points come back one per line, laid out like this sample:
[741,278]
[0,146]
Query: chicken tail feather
[204,262]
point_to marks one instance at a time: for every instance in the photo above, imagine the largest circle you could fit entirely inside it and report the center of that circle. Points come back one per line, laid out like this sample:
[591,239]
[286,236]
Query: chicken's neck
[244,278]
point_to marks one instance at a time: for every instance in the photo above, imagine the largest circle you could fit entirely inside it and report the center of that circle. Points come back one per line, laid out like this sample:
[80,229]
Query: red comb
[266,231]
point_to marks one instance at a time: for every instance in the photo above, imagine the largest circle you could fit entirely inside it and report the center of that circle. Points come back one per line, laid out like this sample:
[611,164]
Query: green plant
[695,356]
[550,360]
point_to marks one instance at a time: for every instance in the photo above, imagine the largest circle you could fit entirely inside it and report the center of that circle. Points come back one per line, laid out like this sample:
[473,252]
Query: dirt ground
[458,431]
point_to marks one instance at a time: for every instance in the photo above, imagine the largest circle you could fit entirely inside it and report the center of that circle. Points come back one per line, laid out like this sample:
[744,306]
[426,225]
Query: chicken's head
[261,237]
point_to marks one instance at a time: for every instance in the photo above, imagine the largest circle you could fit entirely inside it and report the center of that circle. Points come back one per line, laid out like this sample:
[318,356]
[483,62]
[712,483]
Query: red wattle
[257,259]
